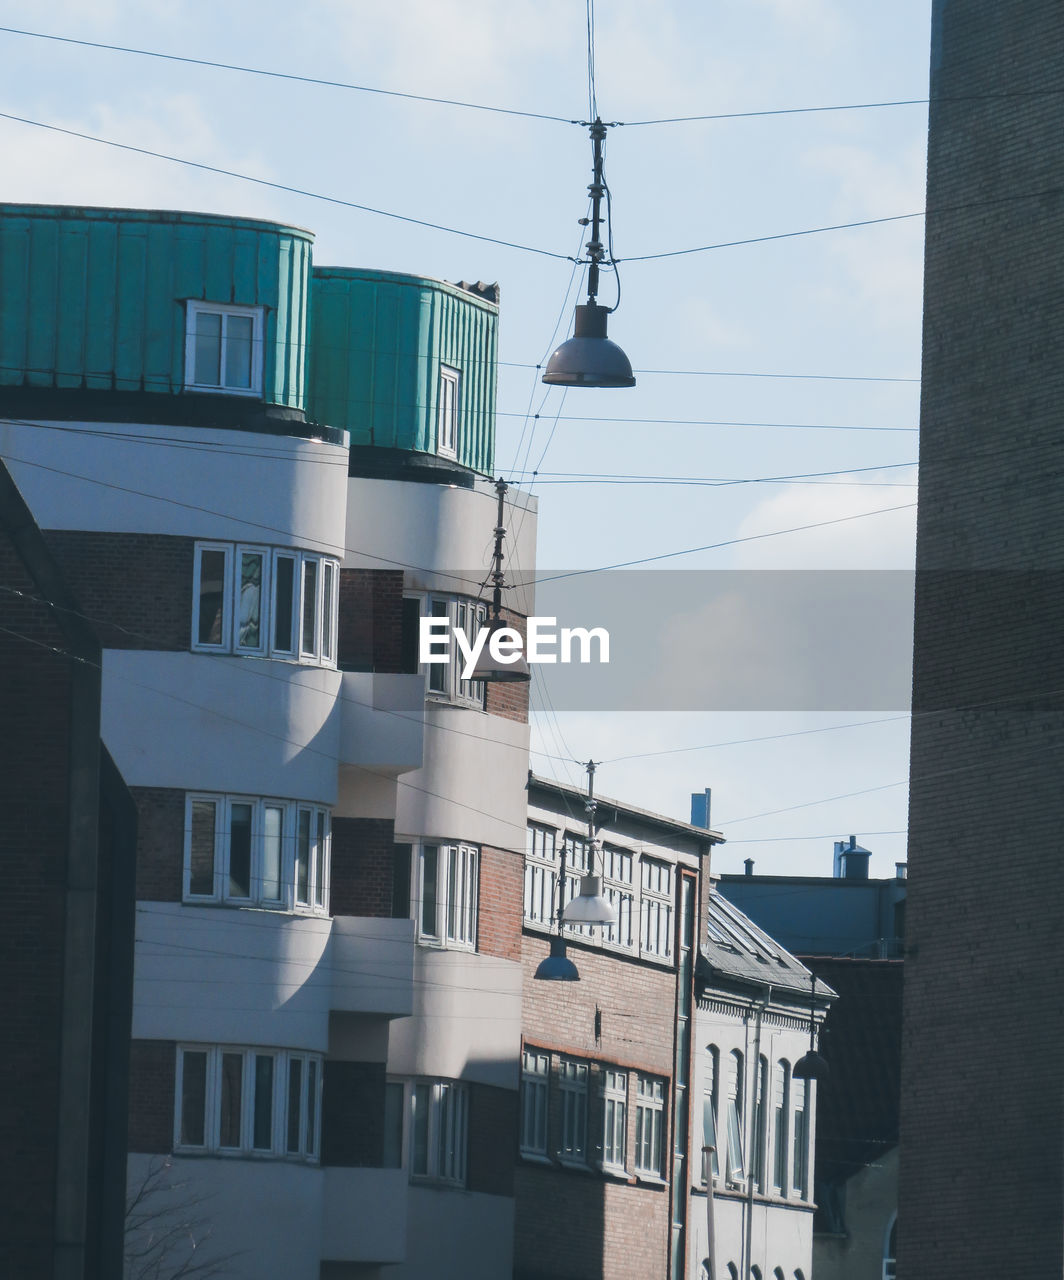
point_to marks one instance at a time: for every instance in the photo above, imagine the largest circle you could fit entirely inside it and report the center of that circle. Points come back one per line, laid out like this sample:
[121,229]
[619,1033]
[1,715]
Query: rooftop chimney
[700,805]
[851,860]
[749,865]
[901,871]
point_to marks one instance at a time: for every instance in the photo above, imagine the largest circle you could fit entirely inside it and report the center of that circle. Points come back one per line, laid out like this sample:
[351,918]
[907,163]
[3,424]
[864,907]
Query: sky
[818,335]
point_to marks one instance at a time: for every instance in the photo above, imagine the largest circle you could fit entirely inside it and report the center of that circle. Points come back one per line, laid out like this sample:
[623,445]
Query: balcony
[372,963]
[382,721]
[364,1215]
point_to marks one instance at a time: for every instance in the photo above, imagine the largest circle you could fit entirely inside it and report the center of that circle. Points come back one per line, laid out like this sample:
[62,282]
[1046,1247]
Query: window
[447,895]
[614,1117]
[572,1088]
[535,1080]
[541,874]
[223,349]
[445,678]
[656,937]
[799,1163]
[447,416]
[735,1167]
[890,1251]
[257,852]
[265,602]
[760,1134]
[577,857]
[649,1124]
[248,1101]
[394,1094]
[618,887]
[439,1130]
[710,1094]
[781,1080]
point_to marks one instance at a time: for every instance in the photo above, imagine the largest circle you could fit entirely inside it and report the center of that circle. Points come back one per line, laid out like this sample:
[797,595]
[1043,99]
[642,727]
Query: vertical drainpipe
[758,1007]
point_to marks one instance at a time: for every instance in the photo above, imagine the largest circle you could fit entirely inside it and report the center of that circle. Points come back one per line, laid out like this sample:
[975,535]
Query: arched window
[733,1271]
[800,1164]
[778,1274]
[755,1272]
[781,1086]
[760,1132]
[890,1250]
[710,1100]
[736,1167]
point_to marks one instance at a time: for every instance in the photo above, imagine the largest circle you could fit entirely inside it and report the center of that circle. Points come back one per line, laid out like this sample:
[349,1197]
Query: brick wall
[579,1223]
[160,843]
[352,1113]
[492,1139]
[501,902]
[370,620]
[982,1111]
[362,863]
[505,698]
[34,713]
[135,587]
[152,1077]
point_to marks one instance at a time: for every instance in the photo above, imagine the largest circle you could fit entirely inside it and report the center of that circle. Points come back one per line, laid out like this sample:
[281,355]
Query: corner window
[223,349]
[649,1124]
[237,1101]
[265,602]
[447,414]
[444,676]
[250,851]
[614,1118]
[535,1079]
[439,1130]
[446,909]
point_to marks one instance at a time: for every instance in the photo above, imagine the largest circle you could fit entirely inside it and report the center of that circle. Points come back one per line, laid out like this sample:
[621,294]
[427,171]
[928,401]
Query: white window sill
[650,1179]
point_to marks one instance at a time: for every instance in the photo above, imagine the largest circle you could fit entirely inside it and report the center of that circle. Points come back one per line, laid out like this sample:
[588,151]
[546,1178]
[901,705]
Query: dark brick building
[982,1113]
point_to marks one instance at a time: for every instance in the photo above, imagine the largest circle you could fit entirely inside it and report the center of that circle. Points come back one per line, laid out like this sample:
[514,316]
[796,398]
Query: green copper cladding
[378,340]
[95,299]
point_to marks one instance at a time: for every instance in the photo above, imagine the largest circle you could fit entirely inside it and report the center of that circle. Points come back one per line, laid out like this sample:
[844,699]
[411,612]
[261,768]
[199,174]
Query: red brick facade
[136,588]
[363,858]
[371,619]
[500,905]
[160,843]
[152,1077]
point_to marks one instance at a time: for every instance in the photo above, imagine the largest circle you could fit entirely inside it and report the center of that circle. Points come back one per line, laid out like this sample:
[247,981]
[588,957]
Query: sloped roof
[738,951]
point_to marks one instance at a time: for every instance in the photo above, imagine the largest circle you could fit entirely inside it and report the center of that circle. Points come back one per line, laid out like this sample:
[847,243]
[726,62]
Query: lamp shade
[589,358]
[811,1066]
[488,667]
[590,907]
[557,967]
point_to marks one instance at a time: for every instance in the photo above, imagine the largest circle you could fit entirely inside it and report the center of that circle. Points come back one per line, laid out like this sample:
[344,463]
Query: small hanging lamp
[590,906]
[589,358]
[557,967]
[488,666]
[811,1065]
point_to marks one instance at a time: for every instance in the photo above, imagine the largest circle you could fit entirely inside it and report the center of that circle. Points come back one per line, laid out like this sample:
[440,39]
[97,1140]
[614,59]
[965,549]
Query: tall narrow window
[223,349]
[248,610]
[272,852]
[710,1098]
[393,1124]
[541,875]
[440,1130]
[192,1130]
[303,822]
[649,1124]
[447,419]
[295,1093]
[535,1076]
[232,1100]
[572,1088]
[239,849]
[328,607]
[736,1170]
[212,616]
[656,930]
[284,571]
[781,1079]
[760,1133]
[799,1161]
[262,1138]
[308,642]
[619,889]
[201,855]
[614,1117]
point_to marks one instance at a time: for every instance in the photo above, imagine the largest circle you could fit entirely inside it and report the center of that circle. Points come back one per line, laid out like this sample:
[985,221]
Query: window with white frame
[535,1092]
[710,1099]
[649,1124]
[265,602]
[614,1117]
[800,1156]
[445,677]
[223,349]
[735,1169]
[656,931]
[241,1101]
[781,1086]
[572,1090]
[541,874]
[446,907]
[576,853]
[254,851]
[760,1134]
[447,413]
[439,1129]
[618,886]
